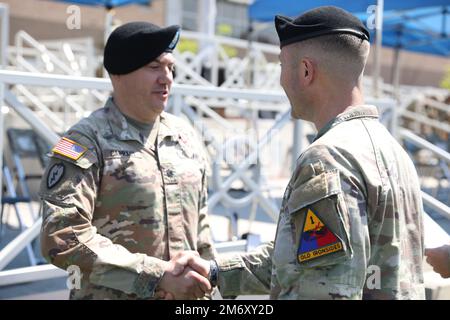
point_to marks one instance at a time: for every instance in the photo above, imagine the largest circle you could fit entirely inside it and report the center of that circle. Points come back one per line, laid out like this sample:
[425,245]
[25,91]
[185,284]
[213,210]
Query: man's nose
[166,76]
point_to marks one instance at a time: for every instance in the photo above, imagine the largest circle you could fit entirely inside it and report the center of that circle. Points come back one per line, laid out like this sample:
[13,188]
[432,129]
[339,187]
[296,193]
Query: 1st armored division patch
[316,240]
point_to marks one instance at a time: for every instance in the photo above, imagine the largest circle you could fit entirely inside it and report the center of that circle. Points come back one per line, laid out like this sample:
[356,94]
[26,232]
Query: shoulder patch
[69,149]
[316,240]
[55,174]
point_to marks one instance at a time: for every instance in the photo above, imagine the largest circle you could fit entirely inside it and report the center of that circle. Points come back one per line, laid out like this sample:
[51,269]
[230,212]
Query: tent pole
[396,85]
[396,77]
[377,54]
[207,26]
[174,10]
[4,41]
[444,19]
[250,53]
[108,29]
[108,24]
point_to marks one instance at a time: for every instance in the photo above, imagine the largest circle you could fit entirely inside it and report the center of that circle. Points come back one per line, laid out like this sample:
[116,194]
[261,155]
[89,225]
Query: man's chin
[160,108]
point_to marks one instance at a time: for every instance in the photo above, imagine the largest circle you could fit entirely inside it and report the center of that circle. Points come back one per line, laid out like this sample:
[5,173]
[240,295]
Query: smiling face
[143,93]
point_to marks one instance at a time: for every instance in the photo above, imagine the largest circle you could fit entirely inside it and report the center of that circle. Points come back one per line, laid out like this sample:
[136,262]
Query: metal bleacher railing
[180,94]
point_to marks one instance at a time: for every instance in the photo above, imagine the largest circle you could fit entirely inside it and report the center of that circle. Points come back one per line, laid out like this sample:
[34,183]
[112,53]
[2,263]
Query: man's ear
[307,71]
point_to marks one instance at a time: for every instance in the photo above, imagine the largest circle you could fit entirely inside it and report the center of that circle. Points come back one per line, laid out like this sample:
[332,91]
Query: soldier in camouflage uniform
[350,225]
[125,194]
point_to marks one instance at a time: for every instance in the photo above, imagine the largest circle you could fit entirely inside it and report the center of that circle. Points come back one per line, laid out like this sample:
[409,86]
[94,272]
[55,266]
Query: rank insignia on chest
[69,149]
[316,240]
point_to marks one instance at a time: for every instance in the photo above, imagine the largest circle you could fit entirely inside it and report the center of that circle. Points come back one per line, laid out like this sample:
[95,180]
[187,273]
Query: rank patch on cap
[316,240]
[69,149]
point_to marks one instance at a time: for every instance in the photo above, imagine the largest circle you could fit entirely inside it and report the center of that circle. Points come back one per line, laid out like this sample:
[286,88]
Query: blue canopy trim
[424,29]
[106,3]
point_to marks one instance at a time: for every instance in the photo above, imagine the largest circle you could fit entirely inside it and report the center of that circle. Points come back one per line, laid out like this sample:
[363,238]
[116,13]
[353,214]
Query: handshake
[186,276]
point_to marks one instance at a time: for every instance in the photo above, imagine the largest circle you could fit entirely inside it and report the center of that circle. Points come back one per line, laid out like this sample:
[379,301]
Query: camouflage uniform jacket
[350,225]
[126,204]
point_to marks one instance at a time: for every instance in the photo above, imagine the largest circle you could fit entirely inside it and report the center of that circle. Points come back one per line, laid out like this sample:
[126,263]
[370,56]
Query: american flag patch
[69,148]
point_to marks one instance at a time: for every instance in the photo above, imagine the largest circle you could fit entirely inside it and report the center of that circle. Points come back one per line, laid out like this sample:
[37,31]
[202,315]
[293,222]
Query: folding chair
[10,197]
[26,144]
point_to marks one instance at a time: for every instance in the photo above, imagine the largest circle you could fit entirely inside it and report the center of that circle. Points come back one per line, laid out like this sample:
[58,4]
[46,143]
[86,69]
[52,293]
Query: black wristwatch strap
[213,272]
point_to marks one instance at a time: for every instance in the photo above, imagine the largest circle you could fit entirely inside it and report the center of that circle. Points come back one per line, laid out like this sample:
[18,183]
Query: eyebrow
[159,61]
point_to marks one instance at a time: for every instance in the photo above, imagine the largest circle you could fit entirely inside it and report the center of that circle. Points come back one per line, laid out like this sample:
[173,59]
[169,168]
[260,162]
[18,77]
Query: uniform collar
[119,124]
[167,128]
[361,111]
[124,131]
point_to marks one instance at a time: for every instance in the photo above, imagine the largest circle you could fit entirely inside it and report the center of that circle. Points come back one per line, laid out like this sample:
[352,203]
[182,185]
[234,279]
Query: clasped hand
[185,277]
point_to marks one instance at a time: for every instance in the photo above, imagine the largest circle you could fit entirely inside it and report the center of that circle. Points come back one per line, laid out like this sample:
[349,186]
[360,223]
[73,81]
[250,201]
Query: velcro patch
[316,240]
[55,174]
[69,149]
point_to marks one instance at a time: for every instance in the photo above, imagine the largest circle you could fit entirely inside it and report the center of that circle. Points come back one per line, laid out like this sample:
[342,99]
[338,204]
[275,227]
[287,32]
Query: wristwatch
[213,272]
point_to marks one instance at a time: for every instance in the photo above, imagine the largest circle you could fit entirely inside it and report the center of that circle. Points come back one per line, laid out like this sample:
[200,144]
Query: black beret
[135,44]
[319,22]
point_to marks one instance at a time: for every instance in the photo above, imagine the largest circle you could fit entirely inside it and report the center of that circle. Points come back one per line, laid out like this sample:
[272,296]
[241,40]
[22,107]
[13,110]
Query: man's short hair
[340,55]
[333,36]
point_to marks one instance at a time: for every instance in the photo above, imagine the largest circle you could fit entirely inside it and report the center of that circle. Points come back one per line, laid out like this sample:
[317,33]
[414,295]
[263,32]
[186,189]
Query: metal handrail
[75,82]
[436,105]
[425,120]
[420,142]
[239,43]
[436,205]
[22,36]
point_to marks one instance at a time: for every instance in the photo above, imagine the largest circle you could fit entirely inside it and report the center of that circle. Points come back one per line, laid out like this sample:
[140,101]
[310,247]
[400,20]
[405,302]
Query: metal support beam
[207,25]
[53,80]
[4,33]
[435,204]
[297,145]
[231,246]
[36,123]
[257,195]
[174,10]
[4,41]
[30,274]
[109,18]
[12,249]
[396,74]
[420,142]
[420,117]
[377,54]
[240,169]
[73,82]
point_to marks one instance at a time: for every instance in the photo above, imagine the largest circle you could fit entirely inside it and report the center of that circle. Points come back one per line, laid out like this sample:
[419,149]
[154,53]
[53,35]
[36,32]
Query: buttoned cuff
[230,268]
[149,278]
